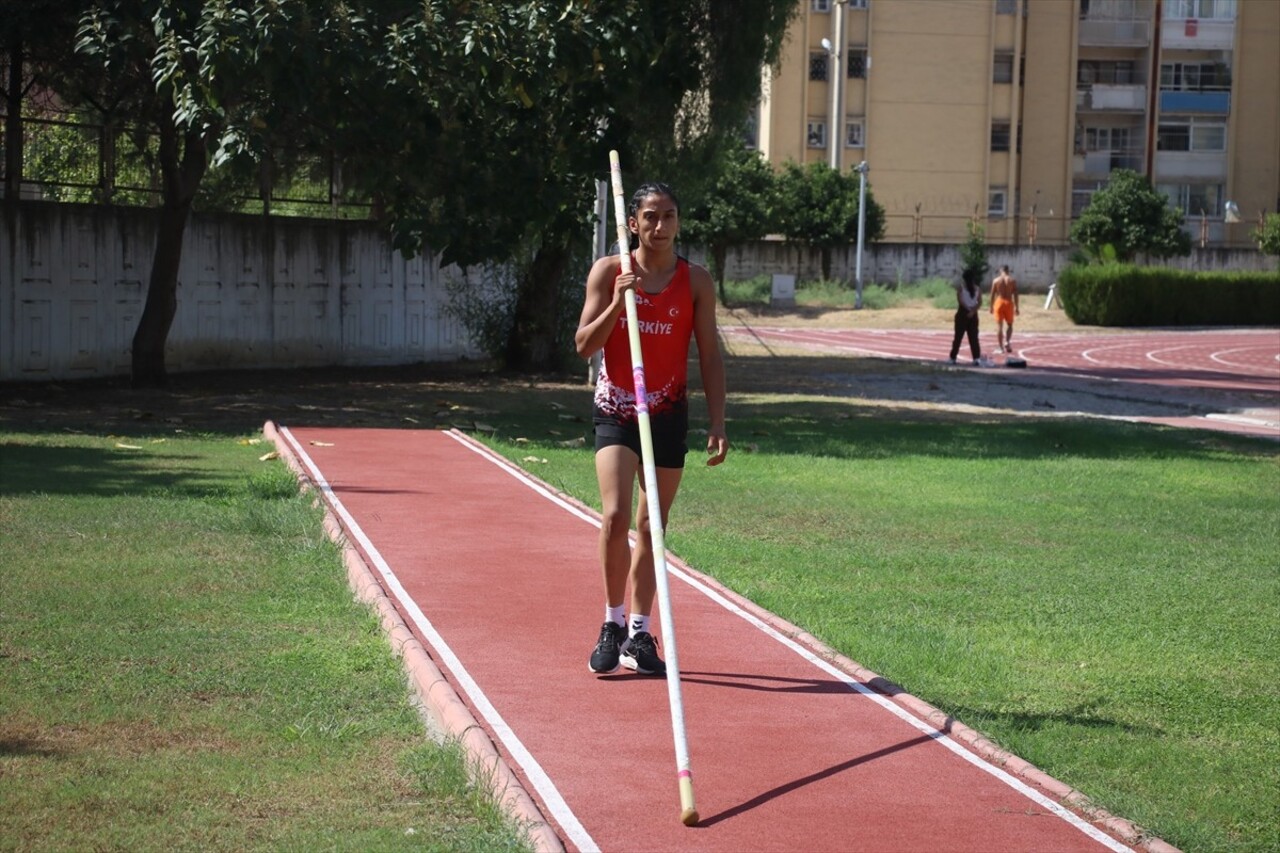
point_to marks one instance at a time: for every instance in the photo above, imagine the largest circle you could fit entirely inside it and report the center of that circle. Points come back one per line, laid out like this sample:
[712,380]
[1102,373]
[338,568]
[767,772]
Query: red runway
[497,576]
[1246,360]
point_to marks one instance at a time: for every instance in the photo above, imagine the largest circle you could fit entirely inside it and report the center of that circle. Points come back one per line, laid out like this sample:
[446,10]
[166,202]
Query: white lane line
[1223,357]
[1087,355]
[541,781]
[1154,355]
[884,702]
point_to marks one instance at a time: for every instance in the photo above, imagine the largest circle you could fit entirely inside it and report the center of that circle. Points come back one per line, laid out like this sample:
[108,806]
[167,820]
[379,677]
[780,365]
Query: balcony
[1128,98]
[1110,32]
[1100,164]
[1216,103]
[1197,34]
[1191,166]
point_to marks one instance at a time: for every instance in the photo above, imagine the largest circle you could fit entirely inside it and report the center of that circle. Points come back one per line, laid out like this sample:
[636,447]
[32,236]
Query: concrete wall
[1035,267]
[252,293]
[282,293]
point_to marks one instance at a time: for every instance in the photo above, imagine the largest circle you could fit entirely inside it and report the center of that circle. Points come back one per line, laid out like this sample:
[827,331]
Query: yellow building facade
[1013,112]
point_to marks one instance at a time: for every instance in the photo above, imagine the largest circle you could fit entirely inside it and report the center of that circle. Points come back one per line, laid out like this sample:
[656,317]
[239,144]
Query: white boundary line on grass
[537,776]
[883,701]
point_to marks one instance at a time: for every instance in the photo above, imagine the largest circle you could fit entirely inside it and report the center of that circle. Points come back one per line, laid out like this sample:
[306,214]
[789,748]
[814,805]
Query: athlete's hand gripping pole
[688,811]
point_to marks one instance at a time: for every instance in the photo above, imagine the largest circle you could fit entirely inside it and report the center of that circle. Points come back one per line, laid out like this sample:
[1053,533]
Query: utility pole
[862,169]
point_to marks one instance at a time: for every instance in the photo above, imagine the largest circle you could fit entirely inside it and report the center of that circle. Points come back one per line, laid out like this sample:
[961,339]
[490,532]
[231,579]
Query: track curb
[444,709]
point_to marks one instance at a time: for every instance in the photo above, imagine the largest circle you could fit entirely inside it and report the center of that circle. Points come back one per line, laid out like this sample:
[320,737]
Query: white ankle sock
[639,623]
[615,614]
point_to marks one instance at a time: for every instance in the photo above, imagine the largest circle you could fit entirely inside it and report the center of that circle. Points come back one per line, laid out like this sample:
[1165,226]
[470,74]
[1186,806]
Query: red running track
[1244,360]
[497,575]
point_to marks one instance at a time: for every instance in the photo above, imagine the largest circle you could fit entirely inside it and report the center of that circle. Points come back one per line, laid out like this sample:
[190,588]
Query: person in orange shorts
[1004,305]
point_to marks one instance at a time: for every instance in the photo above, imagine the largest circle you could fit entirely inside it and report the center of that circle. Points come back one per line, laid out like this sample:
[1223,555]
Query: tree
[1268,234]
[211,82]
[973,252]
[819,209]
[1131,217]
[502,115]
[738,208]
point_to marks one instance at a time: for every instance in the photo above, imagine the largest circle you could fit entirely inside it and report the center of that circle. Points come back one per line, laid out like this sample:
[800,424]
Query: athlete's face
[656,221]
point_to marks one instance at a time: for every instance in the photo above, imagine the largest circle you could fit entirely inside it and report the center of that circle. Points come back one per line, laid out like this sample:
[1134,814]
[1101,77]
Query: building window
[858,4]
[1195,77]
[854,133]
[817,134]
[1002,70]
[1194,199]
[751,129]
[1221,10]
[1106,72]
[1000,136]
[997,202]
[818,65]
[820,5]
[1006,7]
[1177,133]
[1106,138]
[857,63]
[1081,194]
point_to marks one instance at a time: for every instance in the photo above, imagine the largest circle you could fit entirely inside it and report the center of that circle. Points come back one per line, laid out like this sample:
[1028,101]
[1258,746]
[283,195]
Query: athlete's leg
[643,583]
[616,468]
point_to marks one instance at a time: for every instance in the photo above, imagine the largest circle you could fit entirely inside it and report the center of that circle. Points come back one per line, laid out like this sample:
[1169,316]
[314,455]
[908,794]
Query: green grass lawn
[937,292]
[183,666]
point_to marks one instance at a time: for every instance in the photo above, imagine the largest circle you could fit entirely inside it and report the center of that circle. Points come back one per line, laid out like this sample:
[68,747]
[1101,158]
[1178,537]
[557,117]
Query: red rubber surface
[1231,361]
[502,585]
[1234,360]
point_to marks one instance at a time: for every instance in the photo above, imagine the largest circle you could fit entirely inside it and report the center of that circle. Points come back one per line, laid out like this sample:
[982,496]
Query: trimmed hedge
[1126,295]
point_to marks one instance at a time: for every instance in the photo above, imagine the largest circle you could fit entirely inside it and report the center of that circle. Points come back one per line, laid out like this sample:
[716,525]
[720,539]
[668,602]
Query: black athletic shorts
[670,433]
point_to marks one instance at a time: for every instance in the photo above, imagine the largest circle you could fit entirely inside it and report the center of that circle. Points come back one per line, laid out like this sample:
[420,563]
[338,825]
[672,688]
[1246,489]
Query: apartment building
[1014,112]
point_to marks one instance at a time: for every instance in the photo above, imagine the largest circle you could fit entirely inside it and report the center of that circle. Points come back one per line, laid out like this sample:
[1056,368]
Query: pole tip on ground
[689,817]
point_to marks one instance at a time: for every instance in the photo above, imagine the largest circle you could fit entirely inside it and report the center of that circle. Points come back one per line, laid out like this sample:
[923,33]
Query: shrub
[1125,295]
[1268,235]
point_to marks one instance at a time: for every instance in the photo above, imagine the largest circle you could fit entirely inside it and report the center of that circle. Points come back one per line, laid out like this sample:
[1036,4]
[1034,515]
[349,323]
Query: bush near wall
[1126,295]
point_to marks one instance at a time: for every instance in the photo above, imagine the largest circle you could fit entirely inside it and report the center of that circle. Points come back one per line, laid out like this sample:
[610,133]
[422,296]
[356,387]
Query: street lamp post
[862,169]
[835,49]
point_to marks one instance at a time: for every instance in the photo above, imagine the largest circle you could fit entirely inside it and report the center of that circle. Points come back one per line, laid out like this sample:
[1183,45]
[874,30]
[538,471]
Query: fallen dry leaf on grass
[267,457]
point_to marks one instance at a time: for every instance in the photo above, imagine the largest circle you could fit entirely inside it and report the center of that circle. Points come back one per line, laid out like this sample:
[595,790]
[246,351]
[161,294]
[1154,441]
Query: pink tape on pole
[685,774]
[642,393]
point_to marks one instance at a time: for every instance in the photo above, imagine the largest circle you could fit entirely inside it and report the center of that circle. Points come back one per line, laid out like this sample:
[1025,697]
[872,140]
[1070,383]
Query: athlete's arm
[710,361]
[605,301]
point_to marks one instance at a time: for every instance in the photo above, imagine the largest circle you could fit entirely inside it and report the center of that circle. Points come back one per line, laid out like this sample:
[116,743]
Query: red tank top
[666,327]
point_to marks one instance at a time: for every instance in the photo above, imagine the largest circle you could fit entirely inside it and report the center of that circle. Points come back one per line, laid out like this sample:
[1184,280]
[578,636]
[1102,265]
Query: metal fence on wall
[65,158]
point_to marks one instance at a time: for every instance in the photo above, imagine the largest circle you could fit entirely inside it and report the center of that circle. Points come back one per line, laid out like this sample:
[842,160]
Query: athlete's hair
[652,188]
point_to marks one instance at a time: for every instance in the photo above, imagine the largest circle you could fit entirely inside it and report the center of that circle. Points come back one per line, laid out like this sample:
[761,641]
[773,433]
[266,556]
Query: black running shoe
[641,654]
[604,658]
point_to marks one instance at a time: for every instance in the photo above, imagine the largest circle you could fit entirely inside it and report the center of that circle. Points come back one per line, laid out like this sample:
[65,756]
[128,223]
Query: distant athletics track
[1231,362]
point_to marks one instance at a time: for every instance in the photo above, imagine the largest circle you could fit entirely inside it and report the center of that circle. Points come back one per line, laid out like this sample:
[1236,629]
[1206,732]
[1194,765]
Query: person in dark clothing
[969,299]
